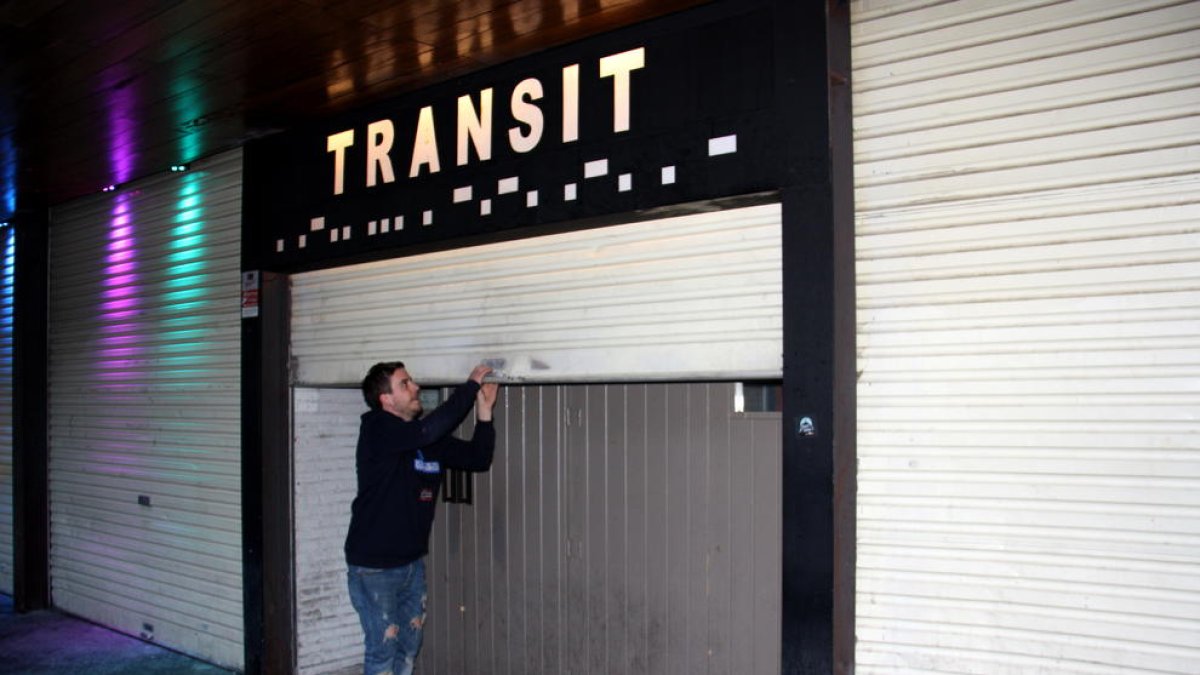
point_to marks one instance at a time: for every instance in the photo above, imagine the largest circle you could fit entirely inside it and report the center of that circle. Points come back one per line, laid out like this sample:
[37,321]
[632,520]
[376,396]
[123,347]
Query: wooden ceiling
[96,93]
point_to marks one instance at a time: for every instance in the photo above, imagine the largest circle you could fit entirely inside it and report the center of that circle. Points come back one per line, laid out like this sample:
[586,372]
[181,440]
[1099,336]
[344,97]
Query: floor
[47,641]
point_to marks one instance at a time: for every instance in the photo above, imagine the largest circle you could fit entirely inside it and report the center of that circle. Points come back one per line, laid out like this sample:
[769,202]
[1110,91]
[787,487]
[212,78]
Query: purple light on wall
[121,127]
[119,301]
[119,279]
[118,328]
[120,297]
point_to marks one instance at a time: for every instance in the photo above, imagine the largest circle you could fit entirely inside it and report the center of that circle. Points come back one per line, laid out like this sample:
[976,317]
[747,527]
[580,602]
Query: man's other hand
[481,371]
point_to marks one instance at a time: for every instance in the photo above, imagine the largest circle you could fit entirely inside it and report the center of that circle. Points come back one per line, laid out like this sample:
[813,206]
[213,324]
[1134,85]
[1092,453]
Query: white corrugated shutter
[145,352]
[691,297]
[1028,237]
[7,241]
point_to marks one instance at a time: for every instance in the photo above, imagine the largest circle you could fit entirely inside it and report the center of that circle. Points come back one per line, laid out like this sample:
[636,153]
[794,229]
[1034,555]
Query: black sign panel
[668,112]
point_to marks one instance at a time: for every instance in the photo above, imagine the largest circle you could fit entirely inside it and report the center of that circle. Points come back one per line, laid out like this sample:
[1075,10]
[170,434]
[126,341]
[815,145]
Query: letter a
[425,150]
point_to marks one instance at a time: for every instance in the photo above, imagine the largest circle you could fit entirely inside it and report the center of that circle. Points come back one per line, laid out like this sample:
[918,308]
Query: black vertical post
[845,343]
[252,495]
[279,614]
[31,492]
[818,330]
[267,507]
[267,510]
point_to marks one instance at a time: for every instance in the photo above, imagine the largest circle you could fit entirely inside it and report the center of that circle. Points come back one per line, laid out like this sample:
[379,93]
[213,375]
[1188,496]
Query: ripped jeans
[391,607]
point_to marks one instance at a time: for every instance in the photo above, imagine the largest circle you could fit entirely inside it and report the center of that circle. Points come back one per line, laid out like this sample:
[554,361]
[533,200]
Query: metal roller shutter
[145,348]
[7,241]
[692,297]
[621,529]
[1028,196]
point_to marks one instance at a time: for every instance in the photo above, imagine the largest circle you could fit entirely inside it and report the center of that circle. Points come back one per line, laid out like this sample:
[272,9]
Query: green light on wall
[186,269]
[190,228]
[190,280]
[186,346]
[181,322]
[174,362]
[190,307]
[193,241]
[190,254]
[189,215]
[186,277]
[192,334]
[174,297]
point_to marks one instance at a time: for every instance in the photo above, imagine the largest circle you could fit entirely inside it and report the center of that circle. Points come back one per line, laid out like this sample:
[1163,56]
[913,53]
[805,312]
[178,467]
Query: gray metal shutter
[7,241]
[630,528]
[1028,201]
[145,493]
[692,297]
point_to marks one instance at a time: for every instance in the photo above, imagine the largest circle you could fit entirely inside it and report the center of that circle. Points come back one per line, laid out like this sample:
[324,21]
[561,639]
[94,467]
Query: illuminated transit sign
[474,125]
[674,111]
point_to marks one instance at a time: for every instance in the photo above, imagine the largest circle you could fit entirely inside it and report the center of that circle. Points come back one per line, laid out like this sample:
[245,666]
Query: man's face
[404,400]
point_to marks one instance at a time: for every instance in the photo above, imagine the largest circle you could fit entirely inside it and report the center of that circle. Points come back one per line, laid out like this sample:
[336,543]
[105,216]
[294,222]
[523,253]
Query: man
[399,462]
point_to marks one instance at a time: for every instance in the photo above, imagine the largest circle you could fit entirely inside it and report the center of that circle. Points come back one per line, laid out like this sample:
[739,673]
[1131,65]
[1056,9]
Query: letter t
[337,144]
[618,66]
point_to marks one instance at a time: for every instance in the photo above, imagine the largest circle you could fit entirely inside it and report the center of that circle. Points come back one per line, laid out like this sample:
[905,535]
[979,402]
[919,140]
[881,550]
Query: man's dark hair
[378,382]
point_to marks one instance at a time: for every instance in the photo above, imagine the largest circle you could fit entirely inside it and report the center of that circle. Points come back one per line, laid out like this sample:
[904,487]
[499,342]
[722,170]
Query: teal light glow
[193,333]
[174,362]
[187,284]
[185,269]
[173,297]
[191,242]
[189,215]
[185,346]
[190,254]
[189,280]
[187,100]
[179,322]
[189,307]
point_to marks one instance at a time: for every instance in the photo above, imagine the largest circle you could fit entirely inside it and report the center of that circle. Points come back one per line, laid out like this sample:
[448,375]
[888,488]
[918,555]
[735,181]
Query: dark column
[812,52]
[267,483]
[845,349]
[31,512]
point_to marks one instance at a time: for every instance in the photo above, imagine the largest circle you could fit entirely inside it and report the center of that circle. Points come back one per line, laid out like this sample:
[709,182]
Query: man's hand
[485,400]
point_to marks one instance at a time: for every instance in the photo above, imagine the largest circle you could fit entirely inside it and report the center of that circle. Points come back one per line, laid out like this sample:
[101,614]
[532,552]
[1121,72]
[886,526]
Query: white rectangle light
[723,145]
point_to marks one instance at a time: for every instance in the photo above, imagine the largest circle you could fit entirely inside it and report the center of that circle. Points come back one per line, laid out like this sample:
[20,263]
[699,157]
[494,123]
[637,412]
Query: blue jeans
[391,607]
